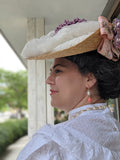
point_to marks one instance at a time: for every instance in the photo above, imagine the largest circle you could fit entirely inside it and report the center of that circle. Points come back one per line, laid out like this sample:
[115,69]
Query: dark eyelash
[57,70]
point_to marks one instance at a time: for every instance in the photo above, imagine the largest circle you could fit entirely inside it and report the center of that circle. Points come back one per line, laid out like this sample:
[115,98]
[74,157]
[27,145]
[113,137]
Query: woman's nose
[50,80]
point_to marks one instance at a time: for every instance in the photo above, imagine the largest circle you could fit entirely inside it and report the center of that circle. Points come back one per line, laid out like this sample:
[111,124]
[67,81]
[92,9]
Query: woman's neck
[84,101]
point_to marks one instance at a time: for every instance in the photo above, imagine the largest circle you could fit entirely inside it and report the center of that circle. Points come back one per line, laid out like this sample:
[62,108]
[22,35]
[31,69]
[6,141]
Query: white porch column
[39,109]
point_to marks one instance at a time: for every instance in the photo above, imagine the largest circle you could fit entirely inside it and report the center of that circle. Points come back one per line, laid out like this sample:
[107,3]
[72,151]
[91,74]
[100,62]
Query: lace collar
[77,111]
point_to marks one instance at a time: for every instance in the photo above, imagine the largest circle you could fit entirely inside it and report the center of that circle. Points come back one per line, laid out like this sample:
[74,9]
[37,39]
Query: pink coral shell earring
[89,97]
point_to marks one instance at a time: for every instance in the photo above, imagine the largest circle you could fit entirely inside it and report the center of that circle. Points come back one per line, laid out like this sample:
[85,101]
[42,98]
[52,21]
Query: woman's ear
[90,80]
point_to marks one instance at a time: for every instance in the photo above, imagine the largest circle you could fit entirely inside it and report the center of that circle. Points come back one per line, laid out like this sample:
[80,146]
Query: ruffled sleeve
[43,147]
[64,143]
[51,151]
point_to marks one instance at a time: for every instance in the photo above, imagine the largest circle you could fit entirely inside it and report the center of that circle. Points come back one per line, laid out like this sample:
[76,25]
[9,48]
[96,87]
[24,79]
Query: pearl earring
[89,97]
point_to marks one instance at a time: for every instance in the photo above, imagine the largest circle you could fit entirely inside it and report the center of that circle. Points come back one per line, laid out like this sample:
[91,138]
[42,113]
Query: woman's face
[67,85]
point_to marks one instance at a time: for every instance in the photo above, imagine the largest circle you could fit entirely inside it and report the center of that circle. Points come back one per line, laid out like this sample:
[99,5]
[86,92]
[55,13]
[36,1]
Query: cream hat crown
[69,40]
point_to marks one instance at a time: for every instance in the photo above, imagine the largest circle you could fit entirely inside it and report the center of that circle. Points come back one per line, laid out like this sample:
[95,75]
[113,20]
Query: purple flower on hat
[117,41]
[116,30]
[67,23]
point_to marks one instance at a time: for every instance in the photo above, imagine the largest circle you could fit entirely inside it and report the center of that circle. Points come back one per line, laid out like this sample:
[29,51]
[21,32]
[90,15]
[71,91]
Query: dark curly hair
[107,72]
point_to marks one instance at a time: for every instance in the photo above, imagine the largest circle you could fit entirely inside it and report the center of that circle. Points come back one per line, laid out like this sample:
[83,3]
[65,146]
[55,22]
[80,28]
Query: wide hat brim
[89,44]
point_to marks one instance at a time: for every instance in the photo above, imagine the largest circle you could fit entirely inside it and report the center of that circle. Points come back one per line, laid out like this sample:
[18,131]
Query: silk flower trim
[110,44]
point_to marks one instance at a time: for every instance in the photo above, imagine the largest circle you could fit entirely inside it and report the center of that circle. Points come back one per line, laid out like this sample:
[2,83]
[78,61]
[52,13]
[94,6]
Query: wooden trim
[115,10]
[112,9]
[40,111]
[118,108]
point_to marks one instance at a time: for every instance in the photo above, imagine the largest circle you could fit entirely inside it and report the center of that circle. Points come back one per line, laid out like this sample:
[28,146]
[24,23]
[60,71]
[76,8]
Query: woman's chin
[55,105]
[61,107]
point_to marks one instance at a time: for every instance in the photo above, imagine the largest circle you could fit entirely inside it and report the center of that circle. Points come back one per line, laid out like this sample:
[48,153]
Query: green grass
[10,131]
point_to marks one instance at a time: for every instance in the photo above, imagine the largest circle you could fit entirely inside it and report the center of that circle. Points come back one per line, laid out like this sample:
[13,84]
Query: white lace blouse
[92,135]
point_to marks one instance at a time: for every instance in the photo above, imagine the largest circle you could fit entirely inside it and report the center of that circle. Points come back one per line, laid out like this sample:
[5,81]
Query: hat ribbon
[106,46]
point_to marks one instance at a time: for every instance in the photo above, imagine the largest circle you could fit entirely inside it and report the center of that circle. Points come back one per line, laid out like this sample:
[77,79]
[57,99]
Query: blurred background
[21,21]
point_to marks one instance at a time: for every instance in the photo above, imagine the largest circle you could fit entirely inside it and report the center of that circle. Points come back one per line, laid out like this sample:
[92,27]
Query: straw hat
[69,40]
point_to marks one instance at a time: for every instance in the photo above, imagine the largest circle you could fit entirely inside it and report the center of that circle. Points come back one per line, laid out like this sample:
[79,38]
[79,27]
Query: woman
[80,85]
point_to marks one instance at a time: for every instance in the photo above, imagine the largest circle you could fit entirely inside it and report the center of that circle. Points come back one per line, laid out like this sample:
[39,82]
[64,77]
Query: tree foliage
[13,89]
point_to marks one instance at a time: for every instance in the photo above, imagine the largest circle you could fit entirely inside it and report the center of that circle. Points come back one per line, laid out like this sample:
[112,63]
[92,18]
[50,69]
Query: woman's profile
[84,75]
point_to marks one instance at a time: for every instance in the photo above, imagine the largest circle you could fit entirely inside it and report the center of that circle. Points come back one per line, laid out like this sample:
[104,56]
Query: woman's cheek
[59,80]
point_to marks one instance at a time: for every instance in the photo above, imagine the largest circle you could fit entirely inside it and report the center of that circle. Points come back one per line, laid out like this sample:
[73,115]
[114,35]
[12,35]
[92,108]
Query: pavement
[4,116]
[14,149]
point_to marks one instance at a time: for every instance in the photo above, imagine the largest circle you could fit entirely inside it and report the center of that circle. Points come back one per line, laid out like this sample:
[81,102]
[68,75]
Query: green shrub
[10,131]
[59,116]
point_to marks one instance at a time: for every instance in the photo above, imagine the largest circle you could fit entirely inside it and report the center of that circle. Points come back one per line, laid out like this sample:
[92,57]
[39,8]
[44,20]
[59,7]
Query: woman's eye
[57,71]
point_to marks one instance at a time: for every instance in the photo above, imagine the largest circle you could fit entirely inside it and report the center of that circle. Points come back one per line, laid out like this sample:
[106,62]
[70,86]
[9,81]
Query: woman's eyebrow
[56,66]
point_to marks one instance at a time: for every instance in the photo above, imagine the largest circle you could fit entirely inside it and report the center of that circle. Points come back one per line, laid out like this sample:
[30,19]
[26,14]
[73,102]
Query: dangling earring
[89,97]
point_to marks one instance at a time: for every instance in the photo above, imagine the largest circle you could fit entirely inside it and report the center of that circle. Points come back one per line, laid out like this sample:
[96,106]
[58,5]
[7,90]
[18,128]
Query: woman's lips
[53,91]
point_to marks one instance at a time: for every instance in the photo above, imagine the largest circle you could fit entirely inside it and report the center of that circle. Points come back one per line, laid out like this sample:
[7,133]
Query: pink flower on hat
[110,44]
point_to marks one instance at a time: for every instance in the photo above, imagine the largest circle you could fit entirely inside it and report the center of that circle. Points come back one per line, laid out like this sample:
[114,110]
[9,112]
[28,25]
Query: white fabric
[93,135]
[67,37]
